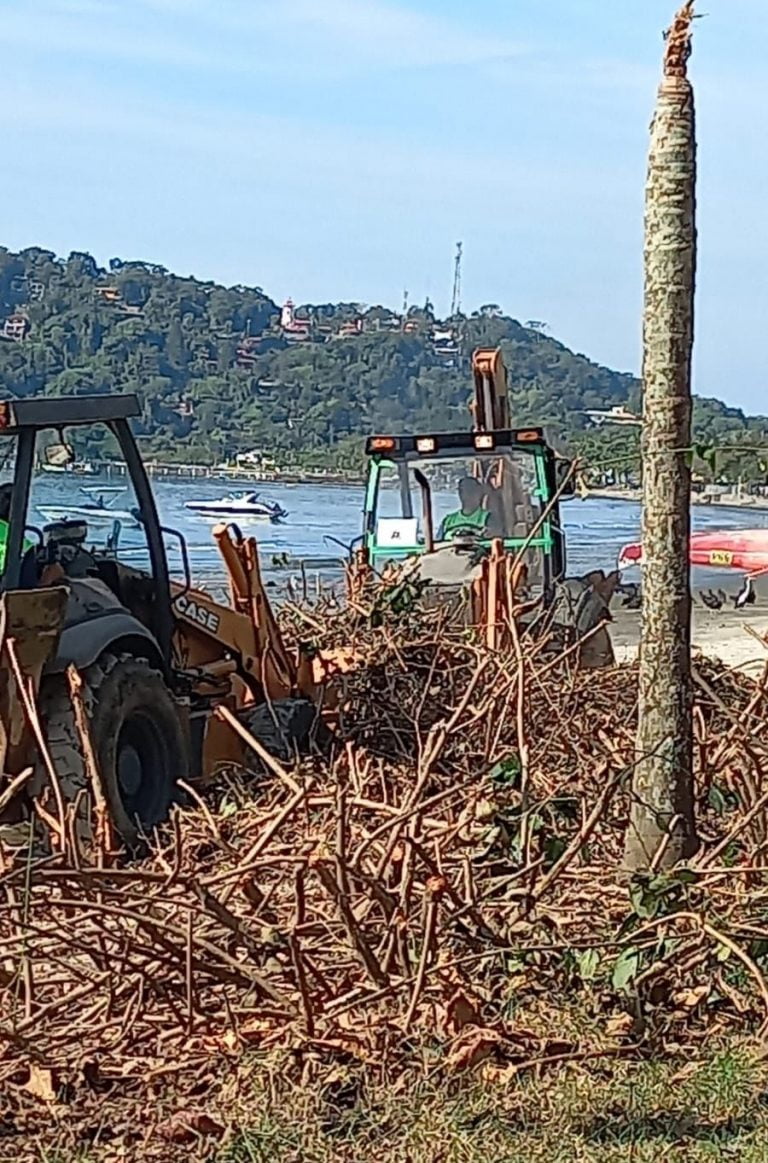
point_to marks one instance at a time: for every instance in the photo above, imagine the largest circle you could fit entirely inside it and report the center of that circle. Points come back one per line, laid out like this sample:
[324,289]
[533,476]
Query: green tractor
[452,504]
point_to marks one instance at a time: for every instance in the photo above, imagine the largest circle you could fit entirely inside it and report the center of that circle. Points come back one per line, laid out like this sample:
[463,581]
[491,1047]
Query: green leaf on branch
[588,962]
[553,847]
[721,801]
[653,895]
[626,969]
[507,772]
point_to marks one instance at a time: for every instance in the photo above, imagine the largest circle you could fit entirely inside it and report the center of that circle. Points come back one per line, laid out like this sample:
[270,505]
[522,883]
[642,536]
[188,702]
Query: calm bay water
[596,528]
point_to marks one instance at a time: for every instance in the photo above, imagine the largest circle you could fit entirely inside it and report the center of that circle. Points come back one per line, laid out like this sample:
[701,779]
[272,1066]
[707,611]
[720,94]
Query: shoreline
[757,504]
[193,472]
[186,473]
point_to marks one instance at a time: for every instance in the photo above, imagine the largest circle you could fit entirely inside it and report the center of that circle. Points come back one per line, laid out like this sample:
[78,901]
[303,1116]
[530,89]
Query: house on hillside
[294,330]
[618,414]
[442,336]
[256,460]
[16,327]
[445,346]
[247,350]
[108,294]
[381,319]
[351,329]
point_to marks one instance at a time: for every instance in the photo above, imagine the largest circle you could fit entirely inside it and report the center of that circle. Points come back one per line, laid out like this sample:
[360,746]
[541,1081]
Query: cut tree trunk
[662,827]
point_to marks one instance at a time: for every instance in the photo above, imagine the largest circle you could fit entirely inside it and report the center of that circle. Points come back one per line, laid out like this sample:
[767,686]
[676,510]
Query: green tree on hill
[216,375]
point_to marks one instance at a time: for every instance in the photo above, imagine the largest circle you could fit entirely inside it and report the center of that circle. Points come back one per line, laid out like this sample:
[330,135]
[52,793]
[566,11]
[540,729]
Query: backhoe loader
[475,517]
[157,657]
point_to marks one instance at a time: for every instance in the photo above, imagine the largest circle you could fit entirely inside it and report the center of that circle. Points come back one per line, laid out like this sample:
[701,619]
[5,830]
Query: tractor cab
[446,498]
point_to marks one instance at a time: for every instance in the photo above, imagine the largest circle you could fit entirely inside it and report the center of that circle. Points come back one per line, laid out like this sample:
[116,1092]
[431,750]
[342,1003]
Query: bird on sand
[746,595]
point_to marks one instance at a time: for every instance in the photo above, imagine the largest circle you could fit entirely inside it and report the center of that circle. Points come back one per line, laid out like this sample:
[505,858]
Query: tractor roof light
[5,418]
[426,444]
[382,444]
[528,435]
[484,441]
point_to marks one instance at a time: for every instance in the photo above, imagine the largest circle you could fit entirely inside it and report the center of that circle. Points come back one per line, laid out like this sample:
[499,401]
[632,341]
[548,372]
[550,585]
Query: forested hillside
[220,370]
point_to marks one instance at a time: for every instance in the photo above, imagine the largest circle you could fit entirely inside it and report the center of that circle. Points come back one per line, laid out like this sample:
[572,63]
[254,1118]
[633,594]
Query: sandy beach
[727,634]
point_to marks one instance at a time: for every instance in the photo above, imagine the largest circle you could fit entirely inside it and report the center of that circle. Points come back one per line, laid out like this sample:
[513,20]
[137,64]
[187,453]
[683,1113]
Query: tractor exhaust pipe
[426,510]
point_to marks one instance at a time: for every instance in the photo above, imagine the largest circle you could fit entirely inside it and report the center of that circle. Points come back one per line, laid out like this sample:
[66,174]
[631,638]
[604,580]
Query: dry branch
[409,864]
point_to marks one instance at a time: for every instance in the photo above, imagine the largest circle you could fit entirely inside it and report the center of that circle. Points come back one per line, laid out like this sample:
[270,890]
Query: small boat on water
[745,550]
[97,510]
[79,468]
[249,505]
[85,512]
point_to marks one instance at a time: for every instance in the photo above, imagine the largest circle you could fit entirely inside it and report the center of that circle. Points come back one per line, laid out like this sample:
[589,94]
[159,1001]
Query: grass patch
[713,1110]
[277,1108]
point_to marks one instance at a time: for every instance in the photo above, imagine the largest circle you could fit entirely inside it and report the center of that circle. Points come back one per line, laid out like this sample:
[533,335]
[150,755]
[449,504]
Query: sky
[338,149]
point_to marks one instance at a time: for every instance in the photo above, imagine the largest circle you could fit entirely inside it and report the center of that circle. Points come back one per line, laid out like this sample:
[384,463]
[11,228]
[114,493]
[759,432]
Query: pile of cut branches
[443,880]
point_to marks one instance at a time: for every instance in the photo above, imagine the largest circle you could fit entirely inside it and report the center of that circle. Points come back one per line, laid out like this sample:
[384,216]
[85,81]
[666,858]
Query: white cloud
[393,33]
[65,33]
[325,37]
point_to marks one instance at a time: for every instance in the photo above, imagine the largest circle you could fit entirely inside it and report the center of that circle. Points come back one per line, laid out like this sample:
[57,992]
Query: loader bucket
[581,613]
[32,621]
[490,594]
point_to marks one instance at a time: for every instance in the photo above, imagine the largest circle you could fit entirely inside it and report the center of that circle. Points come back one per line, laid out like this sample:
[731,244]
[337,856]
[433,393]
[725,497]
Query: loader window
[491,495]
[85,510]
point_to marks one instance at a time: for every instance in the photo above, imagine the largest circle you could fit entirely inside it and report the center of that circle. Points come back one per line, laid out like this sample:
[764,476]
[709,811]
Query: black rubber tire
[136,735]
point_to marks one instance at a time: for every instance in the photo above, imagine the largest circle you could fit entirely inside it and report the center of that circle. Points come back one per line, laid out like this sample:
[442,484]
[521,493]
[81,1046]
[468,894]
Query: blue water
[596,528]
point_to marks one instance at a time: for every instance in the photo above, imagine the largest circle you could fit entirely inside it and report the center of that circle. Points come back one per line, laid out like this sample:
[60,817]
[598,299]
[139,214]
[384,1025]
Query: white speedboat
[249,505]
[84,512]
[99,509]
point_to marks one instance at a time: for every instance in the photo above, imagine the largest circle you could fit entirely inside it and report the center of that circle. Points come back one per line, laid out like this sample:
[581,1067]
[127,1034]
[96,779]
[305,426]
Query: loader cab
[85,583]
[101,537]
[445,497]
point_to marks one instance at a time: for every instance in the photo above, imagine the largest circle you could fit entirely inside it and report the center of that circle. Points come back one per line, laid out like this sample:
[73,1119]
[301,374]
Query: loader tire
[136,736]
